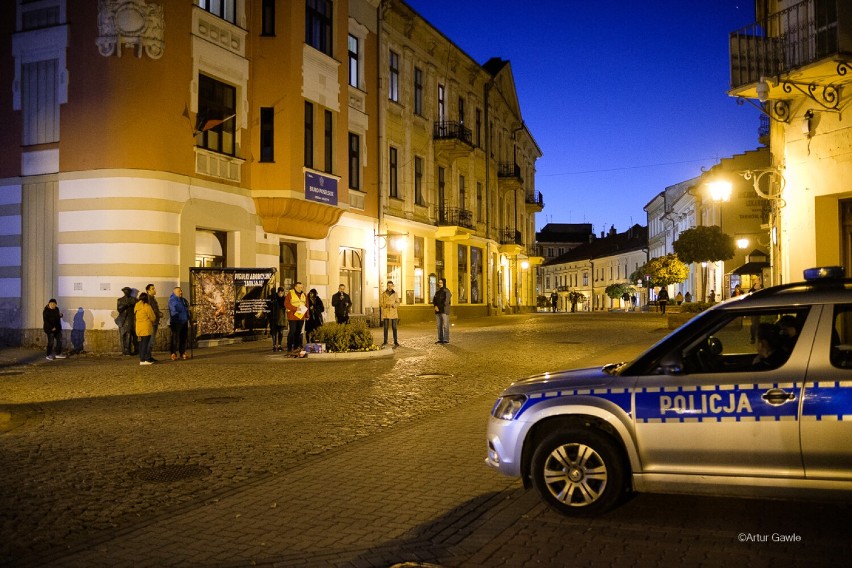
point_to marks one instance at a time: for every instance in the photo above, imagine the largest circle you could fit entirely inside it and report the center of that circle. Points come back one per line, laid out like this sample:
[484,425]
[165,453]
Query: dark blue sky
[624,98]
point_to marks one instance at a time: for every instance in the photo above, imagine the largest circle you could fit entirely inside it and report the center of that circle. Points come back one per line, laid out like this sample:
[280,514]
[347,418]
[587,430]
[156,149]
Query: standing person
[53,328]
[178,323]
[554,301]
[625,299]
[297,309]
[441,301]
[389,302]
[341,304]
[712,296]
[277,318]
[315,317]
[663,299]
[633,300]
[126,321]
[679,298]
[688,297]
[145,319]
[152,301]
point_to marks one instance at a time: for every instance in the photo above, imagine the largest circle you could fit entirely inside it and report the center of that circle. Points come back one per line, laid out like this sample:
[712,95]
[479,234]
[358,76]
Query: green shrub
[339,338]
[695,307]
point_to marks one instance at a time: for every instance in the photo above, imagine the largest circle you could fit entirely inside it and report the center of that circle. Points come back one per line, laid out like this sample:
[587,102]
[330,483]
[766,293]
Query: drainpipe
[383,5]
[490,280]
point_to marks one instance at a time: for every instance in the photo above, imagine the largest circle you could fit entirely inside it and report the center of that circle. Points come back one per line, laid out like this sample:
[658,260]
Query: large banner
[226,301]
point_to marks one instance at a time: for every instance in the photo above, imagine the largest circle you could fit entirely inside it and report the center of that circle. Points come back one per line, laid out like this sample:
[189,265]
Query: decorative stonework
[130,23]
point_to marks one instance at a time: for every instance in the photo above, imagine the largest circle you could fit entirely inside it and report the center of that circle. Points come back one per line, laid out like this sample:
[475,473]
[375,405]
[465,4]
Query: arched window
[210,247]
[351,269]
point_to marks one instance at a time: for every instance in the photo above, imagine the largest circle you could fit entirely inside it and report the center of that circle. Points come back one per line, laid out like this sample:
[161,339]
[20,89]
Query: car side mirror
[671,364]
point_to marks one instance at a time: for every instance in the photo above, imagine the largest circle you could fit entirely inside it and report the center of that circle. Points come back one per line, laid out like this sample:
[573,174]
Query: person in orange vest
[297,310]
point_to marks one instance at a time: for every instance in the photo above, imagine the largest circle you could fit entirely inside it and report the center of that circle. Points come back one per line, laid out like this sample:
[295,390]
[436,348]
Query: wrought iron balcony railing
[451,130]
[508,170]
[801,34]
[455,216]
[535,198]
[510,237]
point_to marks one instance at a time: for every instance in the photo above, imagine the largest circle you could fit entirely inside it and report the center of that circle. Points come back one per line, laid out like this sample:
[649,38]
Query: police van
[751,397]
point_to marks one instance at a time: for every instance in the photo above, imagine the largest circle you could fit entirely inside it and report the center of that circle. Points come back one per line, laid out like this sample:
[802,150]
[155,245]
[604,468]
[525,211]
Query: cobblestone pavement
[241,457]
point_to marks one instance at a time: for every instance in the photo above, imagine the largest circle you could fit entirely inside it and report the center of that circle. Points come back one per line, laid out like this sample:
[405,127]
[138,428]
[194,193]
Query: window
[318,25]
[37,18]
[351,268]
[210,247]
[216,113]
[309,135]
[225,9]
[478,133]
[39,103]
[461,293]
[439,261]
[462,194]
[329,141]
[841,337]
[354,79]
[418,91]
[441,190]
[441,104]
[354,161]
[267,134]
[393,80]
[418,181]
[268,16]
[461,110]
[288,262]
[393,180]
[480,203]
[419,254]
[476,279]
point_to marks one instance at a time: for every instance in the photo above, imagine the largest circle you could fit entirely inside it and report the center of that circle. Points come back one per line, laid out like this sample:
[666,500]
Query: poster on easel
[230,301]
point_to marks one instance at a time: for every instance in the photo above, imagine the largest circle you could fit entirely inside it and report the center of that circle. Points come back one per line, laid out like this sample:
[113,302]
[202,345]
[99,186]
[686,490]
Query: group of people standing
[298,312]
[139,319]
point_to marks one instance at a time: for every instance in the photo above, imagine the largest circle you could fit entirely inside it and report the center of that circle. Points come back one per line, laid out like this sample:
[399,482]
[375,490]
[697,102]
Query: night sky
[624,98]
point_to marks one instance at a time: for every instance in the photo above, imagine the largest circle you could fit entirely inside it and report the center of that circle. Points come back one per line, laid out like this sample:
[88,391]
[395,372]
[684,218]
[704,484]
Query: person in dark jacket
[441,300]
[277,318]
[315,317]
[342,303]
[126,321]
[53,328]
[178,323]
[663,299]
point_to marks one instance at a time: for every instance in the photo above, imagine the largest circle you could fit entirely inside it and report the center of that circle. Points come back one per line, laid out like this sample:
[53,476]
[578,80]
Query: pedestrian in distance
[633,301]
[277,318]
[679,298]
[441,301]
[296,304]
[625,298]
[663,299]
[126,321]
[315,314]
[687,297]
[342,303]
[145,319]
[389,302]
[52,317]
[178,323]
[554,301]
[712,296]
[155,307]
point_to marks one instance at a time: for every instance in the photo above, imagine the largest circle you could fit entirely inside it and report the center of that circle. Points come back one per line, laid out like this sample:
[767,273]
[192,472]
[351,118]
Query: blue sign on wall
[320,188]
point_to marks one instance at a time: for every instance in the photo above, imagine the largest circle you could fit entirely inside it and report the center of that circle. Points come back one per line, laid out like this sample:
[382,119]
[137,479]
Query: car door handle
[777,397]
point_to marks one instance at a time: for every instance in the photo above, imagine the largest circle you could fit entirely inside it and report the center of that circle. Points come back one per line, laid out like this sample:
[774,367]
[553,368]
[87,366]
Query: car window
[841,337]
[744,341]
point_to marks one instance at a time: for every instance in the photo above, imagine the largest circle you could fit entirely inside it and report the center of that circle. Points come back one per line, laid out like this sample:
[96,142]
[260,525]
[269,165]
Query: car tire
[579,472]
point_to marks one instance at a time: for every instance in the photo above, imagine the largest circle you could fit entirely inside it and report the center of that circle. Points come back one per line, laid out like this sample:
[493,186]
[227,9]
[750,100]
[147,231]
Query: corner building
[144,138]
[458,197]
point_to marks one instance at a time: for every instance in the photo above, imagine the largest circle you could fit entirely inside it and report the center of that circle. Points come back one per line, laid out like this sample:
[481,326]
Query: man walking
[179,323]
[554,300]
[341,304]
[389,302]
[53,328]
[441,301]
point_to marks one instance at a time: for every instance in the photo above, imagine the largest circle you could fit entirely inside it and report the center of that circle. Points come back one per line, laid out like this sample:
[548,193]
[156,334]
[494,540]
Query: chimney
[612,232]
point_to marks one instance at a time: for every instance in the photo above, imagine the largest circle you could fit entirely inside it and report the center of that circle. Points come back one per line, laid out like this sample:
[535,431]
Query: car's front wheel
[578,472]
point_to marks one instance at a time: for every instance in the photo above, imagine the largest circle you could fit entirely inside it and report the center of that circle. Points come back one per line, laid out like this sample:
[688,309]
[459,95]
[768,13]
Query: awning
[751,268]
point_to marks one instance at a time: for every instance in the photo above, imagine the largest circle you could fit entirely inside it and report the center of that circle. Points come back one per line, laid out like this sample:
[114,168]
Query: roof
[633,239]
[564,233]
[751,268]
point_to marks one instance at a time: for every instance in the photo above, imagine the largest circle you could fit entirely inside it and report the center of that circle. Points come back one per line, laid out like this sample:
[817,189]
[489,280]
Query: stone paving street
[241,457]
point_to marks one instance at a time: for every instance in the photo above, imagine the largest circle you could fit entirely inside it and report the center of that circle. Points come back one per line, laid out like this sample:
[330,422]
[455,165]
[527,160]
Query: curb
[334,357]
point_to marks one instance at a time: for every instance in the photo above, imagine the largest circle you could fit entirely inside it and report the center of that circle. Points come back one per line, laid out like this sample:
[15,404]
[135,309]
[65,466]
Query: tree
[704,244]
[662,271]
[616,291]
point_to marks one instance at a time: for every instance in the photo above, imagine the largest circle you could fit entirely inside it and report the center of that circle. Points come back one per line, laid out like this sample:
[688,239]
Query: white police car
[751,397]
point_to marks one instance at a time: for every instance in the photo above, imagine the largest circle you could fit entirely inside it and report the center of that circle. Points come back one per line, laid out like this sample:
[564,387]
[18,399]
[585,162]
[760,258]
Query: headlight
[507,407]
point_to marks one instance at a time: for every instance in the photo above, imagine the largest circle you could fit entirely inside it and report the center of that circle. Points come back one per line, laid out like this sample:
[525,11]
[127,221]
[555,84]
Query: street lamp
[720,192]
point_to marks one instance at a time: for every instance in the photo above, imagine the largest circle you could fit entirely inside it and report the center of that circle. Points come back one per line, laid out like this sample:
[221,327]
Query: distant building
[556,239]
[590,267]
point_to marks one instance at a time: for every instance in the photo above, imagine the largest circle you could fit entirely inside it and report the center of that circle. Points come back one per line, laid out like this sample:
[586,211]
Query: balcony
[809,42]
[534,201]
[454,224]
[511,242]
[452,139]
